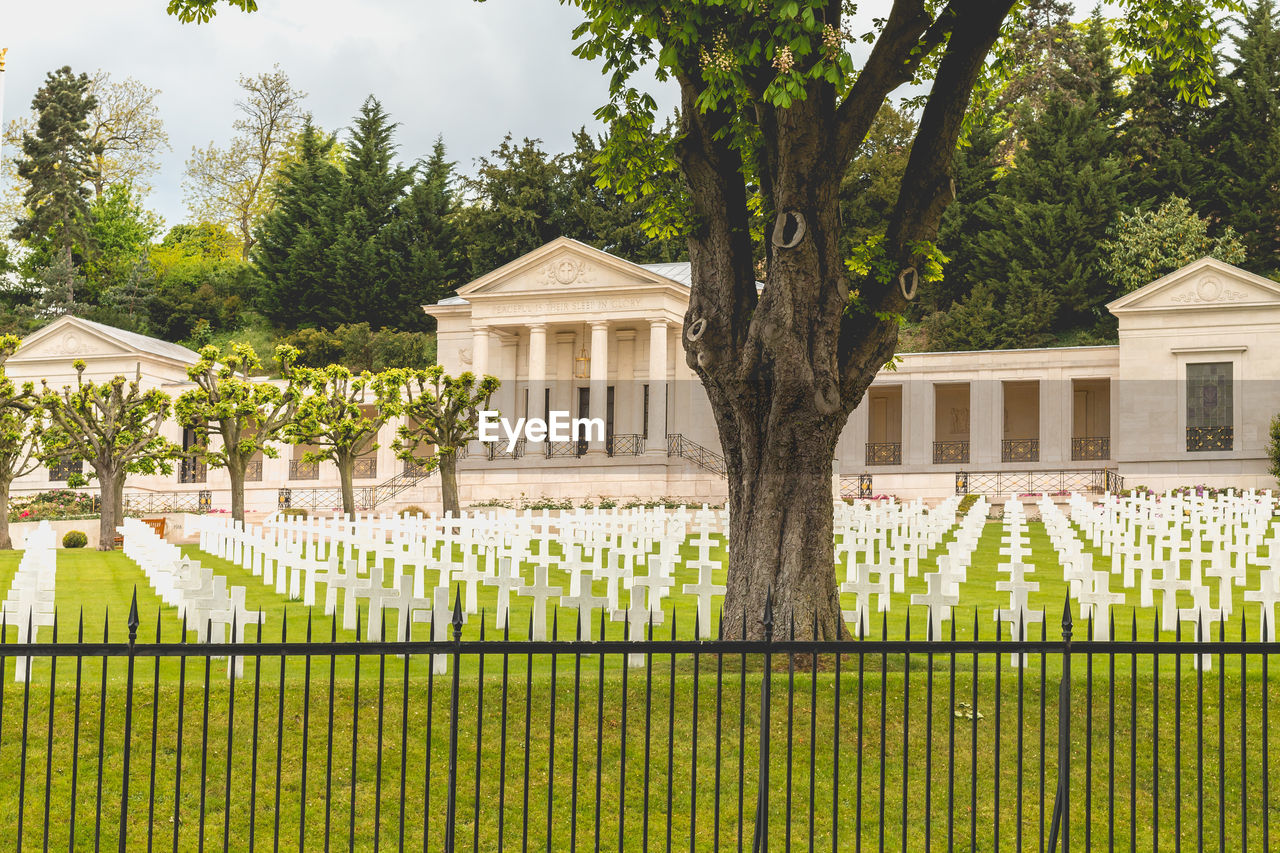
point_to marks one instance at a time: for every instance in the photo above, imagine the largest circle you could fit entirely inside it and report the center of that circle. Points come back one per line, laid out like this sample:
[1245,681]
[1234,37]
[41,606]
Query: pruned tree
[339,413]
[20,432]
[115,427]
[442,414]
[232,185]
[773,107]
[247,413]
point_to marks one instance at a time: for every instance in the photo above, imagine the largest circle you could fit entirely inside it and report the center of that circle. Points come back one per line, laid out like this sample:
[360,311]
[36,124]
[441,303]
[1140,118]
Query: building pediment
[563,266]
[1205,284]
[71,338]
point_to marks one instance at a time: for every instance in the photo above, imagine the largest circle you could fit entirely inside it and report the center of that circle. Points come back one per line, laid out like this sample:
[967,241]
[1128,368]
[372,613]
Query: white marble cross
[540,591]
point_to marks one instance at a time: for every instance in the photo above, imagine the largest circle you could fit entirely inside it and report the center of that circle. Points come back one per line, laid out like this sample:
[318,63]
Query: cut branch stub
[788,229]
[908,283]
[697,330]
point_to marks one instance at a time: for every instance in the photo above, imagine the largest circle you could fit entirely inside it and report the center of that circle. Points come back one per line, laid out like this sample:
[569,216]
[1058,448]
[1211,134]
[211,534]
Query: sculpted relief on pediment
[1208,289]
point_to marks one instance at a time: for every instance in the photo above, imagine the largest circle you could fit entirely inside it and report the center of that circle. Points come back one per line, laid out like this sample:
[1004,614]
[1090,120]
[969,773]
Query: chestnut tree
[773,105]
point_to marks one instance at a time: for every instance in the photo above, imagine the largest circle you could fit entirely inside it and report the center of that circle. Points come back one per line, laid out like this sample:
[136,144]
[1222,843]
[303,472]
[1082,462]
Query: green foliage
[1244,134]
[443,414]
[1149,244]
[196,273]
[523,198]
[75,539]
[113,425]
[412,511]
[357,347]
[338,415]
[121,232]
[364,241]
[57,164]
[53,505]
[248,415]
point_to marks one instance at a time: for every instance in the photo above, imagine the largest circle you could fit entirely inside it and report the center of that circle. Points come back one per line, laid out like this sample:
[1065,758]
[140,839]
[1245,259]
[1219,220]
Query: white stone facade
[1184,398]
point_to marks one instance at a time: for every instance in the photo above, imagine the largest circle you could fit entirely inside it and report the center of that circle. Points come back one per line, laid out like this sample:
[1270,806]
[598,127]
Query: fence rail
[714,744]
[1003,483]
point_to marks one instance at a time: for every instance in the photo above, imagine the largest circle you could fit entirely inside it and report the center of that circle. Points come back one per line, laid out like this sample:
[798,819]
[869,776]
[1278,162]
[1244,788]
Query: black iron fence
[1035,483]
[782,743]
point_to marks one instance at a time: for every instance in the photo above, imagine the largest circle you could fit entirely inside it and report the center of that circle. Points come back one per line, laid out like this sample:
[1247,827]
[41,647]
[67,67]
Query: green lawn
[937,752]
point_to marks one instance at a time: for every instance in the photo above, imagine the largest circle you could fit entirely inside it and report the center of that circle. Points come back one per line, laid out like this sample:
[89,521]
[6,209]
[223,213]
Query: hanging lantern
[582,364]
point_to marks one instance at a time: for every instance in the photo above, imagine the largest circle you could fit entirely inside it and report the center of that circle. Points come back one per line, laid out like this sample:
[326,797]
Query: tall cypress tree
[57,163]
[292,249]
[1245,132]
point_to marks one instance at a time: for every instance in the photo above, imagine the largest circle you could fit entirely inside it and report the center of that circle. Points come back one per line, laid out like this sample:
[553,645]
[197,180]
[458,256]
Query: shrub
[294,512]
[74,539]
[412,512]
[966,503]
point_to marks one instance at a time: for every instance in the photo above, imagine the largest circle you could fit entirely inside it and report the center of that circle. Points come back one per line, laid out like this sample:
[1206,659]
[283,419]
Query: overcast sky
[465,70]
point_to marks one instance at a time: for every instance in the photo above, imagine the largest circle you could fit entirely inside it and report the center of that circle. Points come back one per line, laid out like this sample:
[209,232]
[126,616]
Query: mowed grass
[884,717]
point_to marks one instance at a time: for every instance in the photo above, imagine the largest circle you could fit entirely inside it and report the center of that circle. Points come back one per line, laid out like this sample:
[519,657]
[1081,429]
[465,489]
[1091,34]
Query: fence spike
[1066,617]
[456,620]
[133,616]
[768,614]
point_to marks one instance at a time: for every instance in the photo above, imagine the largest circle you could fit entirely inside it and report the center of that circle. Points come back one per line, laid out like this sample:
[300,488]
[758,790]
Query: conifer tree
[292,250]
[57,163]
[1245,132]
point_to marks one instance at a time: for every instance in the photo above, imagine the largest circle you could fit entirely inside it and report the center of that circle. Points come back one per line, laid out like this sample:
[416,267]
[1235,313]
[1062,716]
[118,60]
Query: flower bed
[55,505]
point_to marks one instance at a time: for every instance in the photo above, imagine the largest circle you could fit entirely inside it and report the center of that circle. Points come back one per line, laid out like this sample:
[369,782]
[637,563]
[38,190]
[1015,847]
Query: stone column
[626,398]
[479,350]
[656,443]
[537,373]
[599,379]
[917,422]
[562,390]
[986,422]
[1055,419]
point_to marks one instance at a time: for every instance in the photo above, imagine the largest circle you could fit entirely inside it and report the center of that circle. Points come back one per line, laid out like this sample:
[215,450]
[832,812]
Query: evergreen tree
[372,188]
[421,245]
[519,201]
[1245,131]
[57,164]
[292,252]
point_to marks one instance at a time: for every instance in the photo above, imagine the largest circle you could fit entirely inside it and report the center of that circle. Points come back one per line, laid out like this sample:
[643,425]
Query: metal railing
[324,499]
[498,449]
[945,452]
[1089,448]
[192,469]
[1210,438]
[564,449]
[1020,450]
[857,486]
[703,457]
[914,744]
[884,453]
[253,472]
[151,502]
[624,444]
[64,468]
[365,468]
[299,470]
[1005,483]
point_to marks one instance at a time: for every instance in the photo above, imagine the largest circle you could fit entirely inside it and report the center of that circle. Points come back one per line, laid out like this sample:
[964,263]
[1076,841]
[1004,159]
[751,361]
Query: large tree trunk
[6,544]
[785,368]
[449,483]
[111,508]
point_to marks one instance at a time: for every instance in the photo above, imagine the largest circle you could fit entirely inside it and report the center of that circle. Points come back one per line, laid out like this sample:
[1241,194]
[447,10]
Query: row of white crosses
[30,602]
[943,584]
[497,550]
[881,544]
[1217,538]
[205,604]
[1015,561]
